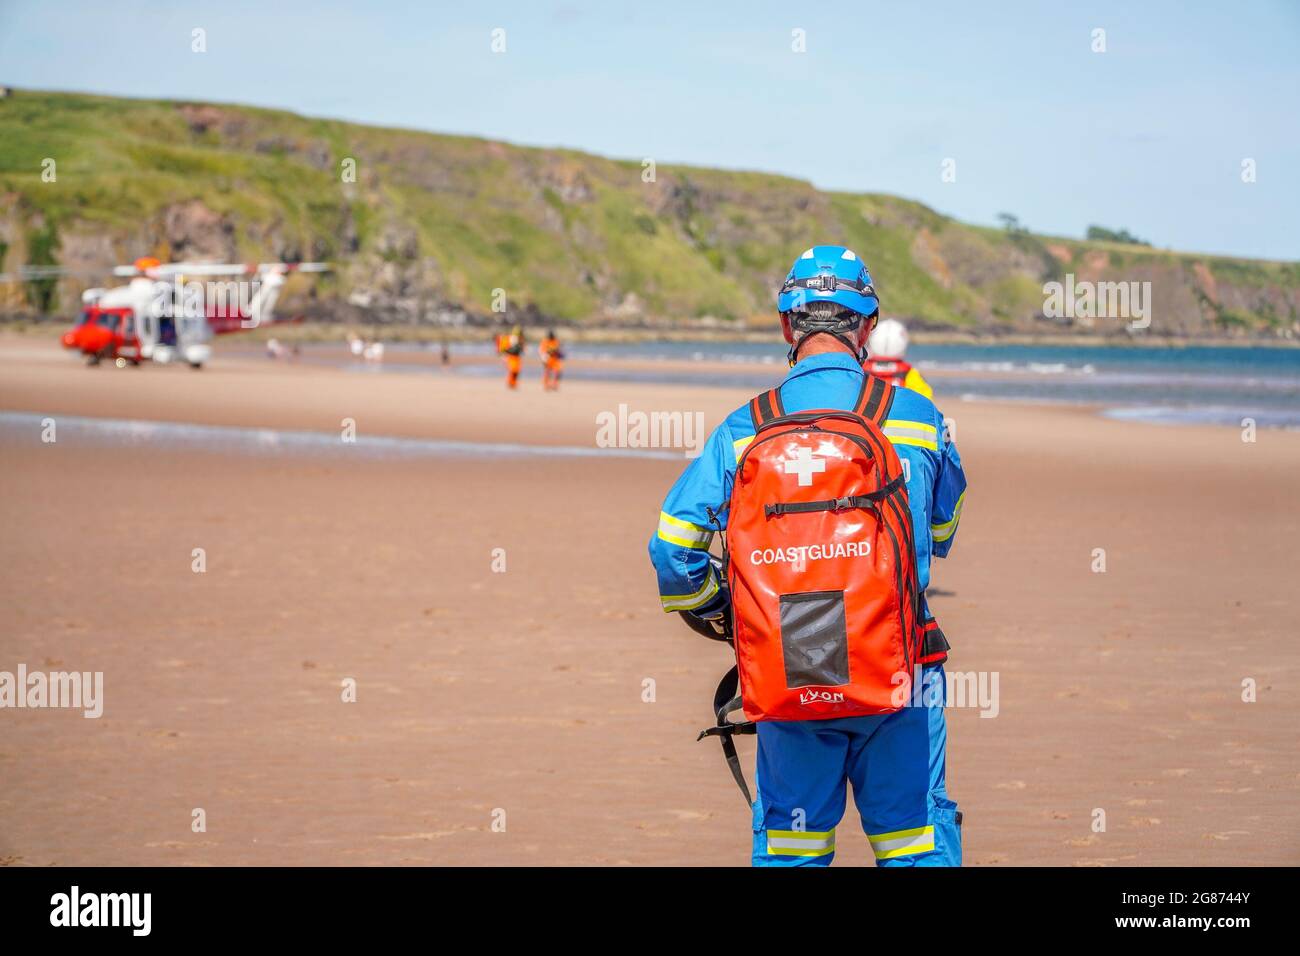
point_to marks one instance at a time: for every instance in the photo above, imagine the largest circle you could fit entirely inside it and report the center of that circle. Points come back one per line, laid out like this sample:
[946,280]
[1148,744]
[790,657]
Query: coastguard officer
[894,762]
[552,356]
[510,346]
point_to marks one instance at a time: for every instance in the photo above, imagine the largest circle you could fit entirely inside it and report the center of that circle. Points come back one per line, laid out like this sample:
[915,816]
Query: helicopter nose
[70,339]
[91,339]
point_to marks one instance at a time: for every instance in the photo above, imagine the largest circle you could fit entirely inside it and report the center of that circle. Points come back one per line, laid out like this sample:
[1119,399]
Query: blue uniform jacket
[936,485]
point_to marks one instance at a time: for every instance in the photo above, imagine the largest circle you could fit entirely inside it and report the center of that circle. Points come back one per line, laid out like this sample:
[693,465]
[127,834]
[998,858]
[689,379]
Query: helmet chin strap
[859,351]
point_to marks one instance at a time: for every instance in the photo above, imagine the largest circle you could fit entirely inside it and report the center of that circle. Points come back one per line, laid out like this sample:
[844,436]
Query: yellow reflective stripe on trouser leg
[800,842]
[942,532]
[689,602]
[683,533]
[902,842]
[921,434]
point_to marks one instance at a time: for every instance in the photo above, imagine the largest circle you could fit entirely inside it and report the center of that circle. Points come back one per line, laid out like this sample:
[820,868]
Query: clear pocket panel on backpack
[814,639]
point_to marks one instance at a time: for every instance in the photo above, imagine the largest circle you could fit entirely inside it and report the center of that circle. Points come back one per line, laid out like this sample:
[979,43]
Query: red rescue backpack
[822,569]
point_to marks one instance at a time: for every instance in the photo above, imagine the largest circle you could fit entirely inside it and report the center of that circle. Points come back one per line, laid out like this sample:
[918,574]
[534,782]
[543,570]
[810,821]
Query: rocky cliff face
[430,228]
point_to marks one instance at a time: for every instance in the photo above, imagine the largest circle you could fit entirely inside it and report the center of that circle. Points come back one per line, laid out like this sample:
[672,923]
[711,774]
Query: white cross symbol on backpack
[804,464]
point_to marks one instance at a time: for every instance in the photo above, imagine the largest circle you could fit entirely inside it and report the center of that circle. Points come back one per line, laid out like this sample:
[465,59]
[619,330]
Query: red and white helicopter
[170,312]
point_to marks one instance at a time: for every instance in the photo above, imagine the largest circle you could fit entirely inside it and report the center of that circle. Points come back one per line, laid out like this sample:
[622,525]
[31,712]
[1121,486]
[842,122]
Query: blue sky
[1148,136]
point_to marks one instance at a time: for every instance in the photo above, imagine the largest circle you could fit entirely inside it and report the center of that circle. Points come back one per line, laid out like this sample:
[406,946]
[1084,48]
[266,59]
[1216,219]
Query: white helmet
[887,340]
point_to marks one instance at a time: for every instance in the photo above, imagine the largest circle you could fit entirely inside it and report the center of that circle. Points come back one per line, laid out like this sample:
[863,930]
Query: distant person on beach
[886,348]
[830,521]
[510,346]
[552,361]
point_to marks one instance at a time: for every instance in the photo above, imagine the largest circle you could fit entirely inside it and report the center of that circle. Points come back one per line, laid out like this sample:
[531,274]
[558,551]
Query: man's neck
[821,345]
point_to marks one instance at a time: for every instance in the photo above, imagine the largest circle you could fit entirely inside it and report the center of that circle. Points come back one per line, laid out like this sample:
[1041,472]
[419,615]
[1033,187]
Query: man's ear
[864,330]
[786,331]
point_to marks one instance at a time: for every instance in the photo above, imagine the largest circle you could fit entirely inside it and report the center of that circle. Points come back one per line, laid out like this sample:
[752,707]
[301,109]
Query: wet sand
[480,692]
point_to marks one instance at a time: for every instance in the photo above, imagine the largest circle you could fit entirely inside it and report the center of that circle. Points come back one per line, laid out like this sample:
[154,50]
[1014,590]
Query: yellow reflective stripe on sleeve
[920,434]
[689,602]
[927,443]
[942,532]
[683,533]
[800,842]
[902,842]
[740,444]
[919,426]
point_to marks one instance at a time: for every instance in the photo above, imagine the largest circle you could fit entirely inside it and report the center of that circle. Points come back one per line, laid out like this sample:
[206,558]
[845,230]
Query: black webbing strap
[933,640]
[882,413]
[765,407]
[829,283]
[726,700]
[871,400]
[835,504]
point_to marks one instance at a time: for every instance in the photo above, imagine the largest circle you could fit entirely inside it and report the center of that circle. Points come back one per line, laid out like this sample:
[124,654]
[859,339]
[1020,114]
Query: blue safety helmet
[829,274]
[828,291]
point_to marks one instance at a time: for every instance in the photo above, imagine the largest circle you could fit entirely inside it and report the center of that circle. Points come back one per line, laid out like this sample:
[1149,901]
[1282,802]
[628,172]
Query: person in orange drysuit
[510,345]
[552,361]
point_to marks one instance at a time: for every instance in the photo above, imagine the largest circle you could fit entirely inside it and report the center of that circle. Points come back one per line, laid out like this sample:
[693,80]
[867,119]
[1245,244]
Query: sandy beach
[485,696]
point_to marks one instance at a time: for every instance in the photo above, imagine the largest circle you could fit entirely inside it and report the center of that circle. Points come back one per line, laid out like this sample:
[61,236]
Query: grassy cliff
[416,220]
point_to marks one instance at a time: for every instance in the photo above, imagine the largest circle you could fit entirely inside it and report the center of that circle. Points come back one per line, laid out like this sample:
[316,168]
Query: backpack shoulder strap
[875,398]
[726,700]
[765,407]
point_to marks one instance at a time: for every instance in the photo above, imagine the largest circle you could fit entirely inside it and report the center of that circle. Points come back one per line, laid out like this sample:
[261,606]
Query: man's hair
[824,309]
[820,313]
